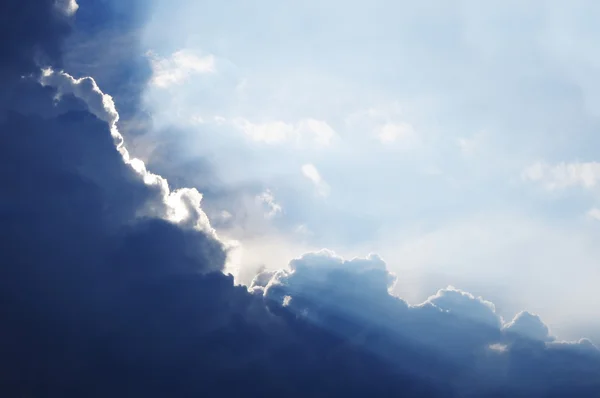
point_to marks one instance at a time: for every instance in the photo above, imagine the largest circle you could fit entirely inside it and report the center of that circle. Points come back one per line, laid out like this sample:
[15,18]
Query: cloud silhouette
[452,338]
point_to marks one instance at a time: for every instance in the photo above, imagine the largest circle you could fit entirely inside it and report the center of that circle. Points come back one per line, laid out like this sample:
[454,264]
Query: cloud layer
[111,282]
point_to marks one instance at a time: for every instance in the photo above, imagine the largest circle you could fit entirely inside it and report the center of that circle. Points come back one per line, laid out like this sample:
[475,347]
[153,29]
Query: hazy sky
[454,138]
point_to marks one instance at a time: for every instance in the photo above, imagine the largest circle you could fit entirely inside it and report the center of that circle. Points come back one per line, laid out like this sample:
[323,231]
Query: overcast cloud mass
[168,186]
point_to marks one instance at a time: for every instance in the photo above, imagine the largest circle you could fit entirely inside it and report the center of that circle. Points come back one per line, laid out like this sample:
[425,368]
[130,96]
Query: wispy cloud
[312,131]
[310,171]
[268,200]
[401,133]
[179,66]
[564,175]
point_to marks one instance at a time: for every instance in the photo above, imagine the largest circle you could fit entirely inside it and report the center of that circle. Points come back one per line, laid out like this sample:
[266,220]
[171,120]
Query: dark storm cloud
[32,32]
[100,294]
[106,44]
[110,282]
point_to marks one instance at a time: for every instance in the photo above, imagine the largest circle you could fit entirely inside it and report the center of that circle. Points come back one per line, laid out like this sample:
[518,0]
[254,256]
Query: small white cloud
[388,124]
[269,133]
[564,175]
[402,133]
[220,120]
[225,215]
[267,199]
[322,133]
[303,230]
[499,348]
[197,119]
[468,146]
[311,172]
[313,131]
[287,300]
[67,7]
[178,67]
[594,214]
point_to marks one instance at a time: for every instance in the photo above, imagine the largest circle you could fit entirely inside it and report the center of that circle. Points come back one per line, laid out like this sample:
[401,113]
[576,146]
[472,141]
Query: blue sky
[456,139]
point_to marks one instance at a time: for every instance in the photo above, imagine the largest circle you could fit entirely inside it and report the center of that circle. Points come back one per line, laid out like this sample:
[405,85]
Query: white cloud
[386,123]
[182,205]
[499,348]
[402,133]
[464,304]
[303,230]
[314,131]
[269,133]
[470,145]
[311,172]
[526,324]
[322,133]
[267,199]
[179,67]
[564,175]
[594,214]
[68,7]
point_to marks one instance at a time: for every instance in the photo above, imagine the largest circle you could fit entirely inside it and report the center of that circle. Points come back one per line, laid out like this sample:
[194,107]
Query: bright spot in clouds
[68,7]
[178,67]
[311,172]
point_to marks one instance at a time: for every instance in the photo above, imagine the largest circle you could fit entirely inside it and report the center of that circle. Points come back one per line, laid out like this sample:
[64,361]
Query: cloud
[268,200]
[594,214]
[179,66]
[68,7]
[111,284]
[117,278]
[564,175]
[182,205]
[351,299]
[402,133]
[465,305]
[530,326]
[315,132]
[310,171]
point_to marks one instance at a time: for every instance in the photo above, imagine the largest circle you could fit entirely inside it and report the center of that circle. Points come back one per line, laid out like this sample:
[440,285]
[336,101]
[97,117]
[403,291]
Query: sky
[319,199]
[455,139]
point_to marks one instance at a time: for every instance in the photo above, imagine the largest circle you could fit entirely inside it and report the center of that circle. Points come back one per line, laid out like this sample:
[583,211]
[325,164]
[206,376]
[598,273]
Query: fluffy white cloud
[564,175]
[310,273]
[178,67]
[526,324]
[465,305]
